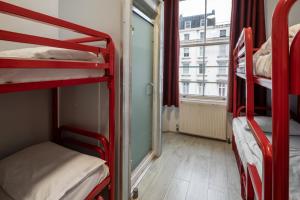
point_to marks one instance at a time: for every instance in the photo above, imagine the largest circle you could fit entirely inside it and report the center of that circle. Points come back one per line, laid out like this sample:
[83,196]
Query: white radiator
[203,118]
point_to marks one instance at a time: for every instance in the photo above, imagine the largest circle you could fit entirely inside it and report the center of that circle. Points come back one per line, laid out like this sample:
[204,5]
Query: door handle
[149,88]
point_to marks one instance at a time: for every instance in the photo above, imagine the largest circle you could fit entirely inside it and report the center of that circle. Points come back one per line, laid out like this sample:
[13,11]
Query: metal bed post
[280,99]
[111,87]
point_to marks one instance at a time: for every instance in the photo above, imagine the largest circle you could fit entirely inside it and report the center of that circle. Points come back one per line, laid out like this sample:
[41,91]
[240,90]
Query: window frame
[188,22]
[190,90]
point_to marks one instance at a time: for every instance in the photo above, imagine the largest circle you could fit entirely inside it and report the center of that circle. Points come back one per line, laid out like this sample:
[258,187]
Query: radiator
[203,118]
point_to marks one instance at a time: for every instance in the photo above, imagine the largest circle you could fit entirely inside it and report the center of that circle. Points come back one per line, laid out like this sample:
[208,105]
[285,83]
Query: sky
[196,7]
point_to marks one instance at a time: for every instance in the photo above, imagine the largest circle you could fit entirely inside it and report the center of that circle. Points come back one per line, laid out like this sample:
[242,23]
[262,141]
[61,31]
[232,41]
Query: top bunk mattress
[8,76]
[262,59]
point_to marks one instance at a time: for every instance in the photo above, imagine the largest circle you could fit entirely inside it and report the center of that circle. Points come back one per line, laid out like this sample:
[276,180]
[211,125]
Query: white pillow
[45,171]
[266,48]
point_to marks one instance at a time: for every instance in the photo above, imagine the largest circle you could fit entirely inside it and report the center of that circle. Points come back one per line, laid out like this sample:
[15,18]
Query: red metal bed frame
[285,80]
[107,149]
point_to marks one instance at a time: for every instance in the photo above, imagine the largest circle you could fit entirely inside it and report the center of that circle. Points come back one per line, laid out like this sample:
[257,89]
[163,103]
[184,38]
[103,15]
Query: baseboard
[140,171]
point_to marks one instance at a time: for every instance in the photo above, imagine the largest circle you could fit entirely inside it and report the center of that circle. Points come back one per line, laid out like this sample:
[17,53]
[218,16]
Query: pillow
[45,171]
[266,48]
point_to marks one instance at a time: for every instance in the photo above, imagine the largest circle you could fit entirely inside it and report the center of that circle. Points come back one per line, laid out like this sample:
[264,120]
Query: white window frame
[222,89]
[223,30]
[186,36]
[188,24]
[186,52]
[202,22]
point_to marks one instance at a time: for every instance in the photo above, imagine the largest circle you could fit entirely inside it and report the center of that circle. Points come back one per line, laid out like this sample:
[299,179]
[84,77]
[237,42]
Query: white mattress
[49,53]
[250,152]
[51,172]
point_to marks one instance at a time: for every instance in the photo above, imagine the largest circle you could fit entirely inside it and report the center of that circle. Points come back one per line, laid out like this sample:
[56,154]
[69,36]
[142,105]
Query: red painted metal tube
[39,64]
[10,9]
[37,40]
[19,87]
[280,99]
[89,134]
[255,182]
[94,148]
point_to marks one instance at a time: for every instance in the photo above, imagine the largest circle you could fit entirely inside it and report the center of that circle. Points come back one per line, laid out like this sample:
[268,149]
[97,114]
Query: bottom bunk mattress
[8,76]
[49,171]
[250,152]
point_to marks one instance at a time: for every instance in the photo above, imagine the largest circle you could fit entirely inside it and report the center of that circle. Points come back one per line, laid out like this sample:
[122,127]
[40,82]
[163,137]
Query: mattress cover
[8,76]
[50,172]
[250,152]
[262,59]
[52,53]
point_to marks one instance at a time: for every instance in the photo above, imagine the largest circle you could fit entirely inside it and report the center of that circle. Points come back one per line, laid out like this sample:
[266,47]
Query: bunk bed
[267,148]
[50,168]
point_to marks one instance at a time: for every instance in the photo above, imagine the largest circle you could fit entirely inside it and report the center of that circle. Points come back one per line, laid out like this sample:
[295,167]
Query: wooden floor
[191,168]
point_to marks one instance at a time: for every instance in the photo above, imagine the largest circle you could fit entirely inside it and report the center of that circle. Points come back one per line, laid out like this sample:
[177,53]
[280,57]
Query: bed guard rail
[73,44]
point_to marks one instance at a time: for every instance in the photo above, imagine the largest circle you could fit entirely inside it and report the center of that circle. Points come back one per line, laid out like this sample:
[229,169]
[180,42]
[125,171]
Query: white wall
[269,9]
[10,23]
[25,117]
[75,100]
[87,105]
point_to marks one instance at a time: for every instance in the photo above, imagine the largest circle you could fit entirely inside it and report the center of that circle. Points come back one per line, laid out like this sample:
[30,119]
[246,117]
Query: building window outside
[185,87]
[201,68]
[202,22]
[207,56]
[186,69]
[188,25]
[201,35]
[222,89]
[222,50]
[200,55]
[222,33]
[186,36]
[186,52]
[201,88]
[222,70]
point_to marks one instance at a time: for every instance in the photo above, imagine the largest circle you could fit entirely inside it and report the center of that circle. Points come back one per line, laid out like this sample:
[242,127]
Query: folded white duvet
[262,59]
[45,171]
[52,53]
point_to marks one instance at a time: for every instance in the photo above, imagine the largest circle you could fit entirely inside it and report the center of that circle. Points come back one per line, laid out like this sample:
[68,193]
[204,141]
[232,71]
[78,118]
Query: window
[186,36]
[185,87]
[202,22]
[188,25]
[201,35]
[222,50]
[222,89]
[222,70]
[186,52]
[222,33]
[201,88]
[201,69]
[185,68]
[209,21]
[200,52]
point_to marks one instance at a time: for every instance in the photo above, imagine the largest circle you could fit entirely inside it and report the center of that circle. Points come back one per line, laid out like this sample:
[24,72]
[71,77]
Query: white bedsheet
[50,172]
[262,59]
[48,53]
[249,152]
[52,53]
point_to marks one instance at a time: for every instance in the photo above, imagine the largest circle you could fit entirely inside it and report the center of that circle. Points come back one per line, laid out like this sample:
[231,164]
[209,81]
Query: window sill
[204,100]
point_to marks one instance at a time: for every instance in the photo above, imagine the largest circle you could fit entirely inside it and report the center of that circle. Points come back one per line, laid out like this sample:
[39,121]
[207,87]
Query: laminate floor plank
[191,168]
